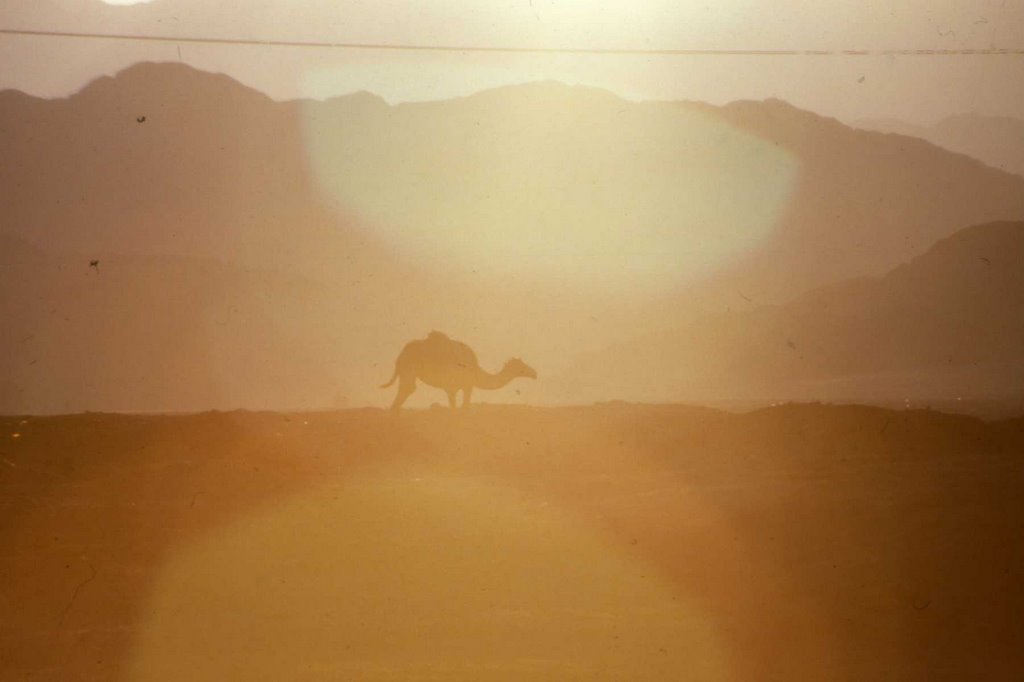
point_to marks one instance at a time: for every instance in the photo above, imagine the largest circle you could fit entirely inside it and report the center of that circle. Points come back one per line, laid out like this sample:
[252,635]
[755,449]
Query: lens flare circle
[550,182]
[401,577]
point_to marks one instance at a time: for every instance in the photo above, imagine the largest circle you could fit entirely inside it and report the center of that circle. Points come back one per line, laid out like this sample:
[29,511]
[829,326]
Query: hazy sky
[913,87]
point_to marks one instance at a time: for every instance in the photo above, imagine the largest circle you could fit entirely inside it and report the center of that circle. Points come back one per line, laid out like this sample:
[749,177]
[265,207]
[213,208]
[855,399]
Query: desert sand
[612,541]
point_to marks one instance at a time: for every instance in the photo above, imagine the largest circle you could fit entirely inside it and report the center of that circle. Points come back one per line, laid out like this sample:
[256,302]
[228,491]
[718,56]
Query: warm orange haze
[548,363]
[264,255]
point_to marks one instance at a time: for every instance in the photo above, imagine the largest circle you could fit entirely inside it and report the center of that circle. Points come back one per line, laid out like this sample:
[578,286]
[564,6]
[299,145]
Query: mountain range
[948,325]
[996,140]
[254,253]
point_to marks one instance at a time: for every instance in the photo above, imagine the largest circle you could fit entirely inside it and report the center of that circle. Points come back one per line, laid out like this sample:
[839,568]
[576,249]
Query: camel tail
[392,379]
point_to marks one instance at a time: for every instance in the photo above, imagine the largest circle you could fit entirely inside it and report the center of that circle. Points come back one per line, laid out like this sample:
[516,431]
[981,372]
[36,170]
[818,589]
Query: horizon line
[512,49]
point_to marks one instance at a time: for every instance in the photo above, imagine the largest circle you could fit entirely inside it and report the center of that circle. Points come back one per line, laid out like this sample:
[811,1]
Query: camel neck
[489,381]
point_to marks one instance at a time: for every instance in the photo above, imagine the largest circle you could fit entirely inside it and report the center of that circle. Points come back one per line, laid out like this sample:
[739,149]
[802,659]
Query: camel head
[517,368]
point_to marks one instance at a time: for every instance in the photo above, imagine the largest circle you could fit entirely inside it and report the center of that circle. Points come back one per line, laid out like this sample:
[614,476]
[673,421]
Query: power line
[501,49]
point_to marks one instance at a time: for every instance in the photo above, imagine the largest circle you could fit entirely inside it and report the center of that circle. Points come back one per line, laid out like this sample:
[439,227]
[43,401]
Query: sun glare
[552,183]
[406,576]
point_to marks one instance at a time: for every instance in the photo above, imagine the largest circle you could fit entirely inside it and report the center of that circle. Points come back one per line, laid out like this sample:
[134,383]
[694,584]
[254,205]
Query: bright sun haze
[517,341]
[569,186]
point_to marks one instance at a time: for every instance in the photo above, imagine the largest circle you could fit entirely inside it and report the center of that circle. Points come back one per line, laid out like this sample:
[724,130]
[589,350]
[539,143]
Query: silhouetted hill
[995,140]
[142,333]
[539,220]
[180,333]
[219,170]
[946,325]
[215,169]
[864,202]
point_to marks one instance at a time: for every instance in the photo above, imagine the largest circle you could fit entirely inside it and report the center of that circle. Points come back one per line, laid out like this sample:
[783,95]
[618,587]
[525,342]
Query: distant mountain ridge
[178,334]
[995,140]
[218,169]
[163,333]
[948,324]
[390,230]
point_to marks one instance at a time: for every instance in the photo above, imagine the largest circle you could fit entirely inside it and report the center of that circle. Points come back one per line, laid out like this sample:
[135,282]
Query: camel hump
[438,336]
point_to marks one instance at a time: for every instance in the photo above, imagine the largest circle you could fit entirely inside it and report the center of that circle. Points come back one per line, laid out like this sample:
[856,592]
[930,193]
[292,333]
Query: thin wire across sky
[505,48]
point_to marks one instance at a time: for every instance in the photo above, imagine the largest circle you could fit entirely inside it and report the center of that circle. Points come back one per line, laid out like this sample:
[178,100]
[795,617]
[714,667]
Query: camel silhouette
[449,365]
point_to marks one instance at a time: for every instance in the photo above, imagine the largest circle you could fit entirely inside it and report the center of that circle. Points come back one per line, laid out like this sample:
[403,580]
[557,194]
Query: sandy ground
[607,542]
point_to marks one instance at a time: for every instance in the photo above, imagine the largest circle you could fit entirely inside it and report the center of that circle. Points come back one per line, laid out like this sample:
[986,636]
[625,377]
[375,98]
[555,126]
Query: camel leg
[405,389]
[451,398]
[467,393]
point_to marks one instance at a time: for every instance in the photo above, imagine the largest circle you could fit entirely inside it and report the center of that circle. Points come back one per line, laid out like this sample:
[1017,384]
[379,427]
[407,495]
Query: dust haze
[537,383]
